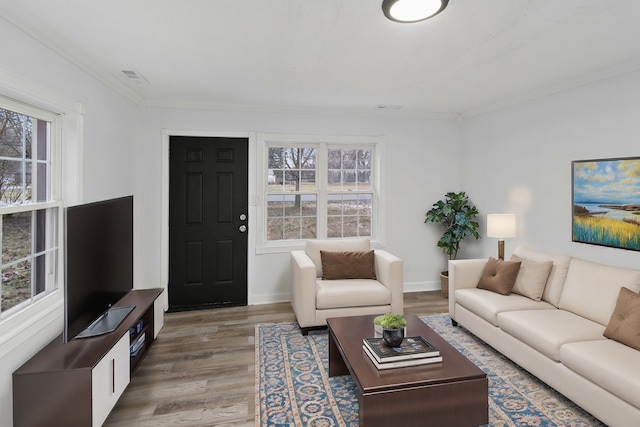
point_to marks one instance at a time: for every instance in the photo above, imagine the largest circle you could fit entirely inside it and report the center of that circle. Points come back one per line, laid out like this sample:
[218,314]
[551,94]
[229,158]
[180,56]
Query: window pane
[15,134]
[309,205]
[334,181]
[364,180]
[275,228]
[276,158]
[349,159]
[309,228]
[334,204]
[16,237]
[16,285]
[275,206]
[292,228]
[334,226]
[334,159]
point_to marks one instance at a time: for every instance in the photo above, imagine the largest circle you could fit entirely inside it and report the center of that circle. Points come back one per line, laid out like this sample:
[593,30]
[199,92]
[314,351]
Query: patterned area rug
[293,387]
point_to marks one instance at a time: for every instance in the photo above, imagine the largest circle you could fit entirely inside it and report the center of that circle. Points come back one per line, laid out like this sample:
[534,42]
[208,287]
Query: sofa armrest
[390,272]
[463,274]
[303,288]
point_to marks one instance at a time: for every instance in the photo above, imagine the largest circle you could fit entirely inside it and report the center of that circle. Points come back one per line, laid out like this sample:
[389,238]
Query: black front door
[208,202]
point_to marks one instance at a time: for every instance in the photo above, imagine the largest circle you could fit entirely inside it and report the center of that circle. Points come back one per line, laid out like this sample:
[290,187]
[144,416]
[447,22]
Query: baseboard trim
[422,286]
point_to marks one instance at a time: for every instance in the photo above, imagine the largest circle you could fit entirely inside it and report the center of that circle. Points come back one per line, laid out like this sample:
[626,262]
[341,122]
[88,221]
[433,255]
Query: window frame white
[66,118]
[322,142]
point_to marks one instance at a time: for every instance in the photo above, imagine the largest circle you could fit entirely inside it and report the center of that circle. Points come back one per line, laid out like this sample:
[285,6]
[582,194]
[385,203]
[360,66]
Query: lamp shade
[412,10]
[501,226]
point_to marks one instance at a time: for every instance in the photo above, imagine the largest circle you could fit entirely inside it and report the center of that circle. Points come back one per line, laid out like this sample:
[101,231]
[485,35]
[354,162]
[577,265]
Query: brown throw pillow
[499,276]
[347,265]
[624,325]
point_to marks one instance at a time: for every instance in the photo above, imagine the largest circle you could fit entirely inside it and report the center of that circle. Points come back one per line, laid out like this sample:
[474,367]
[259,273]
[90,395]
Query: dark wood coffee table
[451,393]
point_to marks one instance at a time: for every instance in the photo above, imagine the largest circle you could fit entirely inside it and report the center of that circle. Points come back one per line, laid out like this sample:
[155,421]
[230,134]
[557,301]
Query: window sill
[24,325]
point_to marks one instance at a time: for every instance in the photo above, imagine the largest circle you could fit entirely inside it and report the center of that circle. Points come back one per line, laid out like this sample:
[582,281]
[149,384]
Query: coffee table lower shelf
[416,396]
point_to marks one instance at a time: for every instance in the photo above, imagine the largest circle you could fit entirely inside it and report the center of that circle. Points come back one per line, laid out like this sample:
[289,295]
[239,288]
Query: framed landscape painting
[606,202]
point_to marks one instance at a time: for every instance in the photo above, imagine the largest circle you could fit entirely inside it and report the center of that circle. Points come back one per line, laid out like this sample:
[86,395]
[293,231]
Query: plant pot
[444,283]
[393,337]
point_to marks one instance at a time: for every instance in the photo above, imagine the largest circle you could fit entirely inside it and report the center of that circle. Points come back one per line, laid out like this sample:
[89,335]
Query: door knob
[242,228]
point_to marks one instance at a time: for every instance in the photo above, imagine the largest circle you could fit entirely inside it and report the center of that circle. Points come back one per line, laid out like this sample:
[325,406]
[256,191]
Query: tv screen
[98,259]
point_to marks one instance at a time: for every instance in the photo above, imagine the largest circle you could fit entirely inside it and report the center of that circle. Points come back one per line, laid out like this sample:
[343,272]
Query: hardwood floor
[200,370]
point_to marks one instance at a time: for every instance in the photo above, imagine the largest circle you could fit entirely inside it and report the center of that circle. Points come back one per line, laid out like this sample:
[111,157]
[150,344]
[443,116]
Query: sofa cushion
[557,275]
[591,289]
[611,365]
[348,265]
[532,278]
[624,325]
[350,293]
[487,304]
[499,276]
[313,248]
[547,330]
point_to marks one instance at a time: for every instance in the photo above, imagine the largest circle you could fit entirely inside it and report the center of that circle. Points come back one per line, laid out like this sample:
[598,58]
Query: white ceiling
[338,55]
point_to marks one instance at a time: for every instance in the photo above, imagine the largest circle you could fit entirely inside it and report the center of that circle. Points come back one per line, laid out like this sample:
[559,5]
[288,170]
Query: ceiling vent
[388,107]
[135,76]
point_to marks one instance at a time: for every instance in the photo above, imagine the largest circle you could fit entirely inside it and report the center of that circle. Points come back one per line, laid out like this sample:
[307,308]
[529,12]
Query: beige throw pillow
[348,265]
[624,325]
[499,276]
[532,278]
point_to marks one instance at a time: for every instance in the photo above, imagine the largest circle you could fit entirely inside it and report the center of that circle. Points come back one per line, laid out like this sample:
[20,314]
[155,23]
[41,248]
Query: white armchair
[314,299]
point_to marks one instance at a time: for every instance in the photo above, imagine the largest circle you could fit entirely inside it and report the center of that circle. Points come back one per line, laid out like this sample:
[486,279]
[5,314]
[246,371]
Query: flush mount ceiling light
[412,10]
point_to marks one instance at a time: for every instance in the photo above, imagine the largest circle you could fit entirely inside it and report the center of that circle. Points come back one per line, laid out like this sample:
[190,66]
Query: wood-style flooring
[200,370]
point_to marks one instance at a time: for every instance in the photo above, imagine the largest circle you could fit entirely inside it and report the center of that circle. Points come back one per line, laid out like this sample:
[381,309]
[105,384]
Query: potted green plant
[392,326]
[457,216]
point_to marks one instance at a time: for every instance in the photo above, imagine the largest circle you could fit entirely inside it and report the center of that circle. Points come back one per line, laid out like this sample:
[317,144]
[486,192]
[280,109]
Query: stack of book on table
[413,351]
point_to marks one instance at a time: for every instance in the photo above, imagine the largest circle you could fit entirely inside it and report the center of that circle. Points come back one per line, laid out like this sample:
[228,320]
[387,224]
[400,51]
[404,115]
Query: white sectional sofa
[558,338]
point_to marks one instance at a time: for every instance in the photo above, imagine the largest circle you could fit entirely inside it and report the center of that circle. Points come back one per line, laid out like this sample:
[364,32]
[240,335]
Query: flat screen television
[98,266]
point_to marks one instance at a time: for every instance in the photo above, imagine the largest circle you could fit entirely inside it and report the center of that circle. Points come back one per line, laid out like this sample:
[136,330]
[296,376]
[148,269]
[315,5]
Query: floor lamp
[501,226]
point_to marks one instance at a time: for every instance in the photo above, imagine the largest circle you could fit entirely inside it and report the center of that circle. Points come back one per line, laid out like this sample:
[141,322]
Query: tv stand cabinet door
[158,315]
[109,378]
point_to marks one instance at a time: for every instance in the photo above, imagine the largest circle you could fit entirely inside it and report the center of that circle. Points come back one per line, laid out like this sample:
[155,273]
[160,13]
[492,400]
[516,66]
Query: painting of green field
[606,231]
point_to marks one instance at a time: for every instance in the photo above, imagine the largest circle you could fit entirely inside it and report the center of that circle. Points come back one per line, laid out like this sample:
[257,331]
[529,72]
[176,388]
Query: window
[320,187]
[29,213]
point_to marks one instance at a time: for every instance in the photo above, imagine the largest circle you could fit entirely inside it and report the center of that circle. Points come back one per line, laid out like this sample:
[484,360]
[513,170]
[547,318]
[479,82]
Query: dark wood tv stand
[78,383]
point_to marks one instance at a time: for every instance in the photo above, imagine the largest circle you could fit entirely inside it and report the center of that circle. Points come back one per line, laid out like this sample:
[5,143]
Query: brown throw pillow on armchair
[499,276]
[624,325]
[348,265]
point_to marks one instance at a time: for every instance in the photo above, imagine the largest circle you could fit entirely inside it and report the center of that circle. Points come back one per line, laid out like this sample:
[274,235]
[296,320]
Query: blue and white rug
[293,387]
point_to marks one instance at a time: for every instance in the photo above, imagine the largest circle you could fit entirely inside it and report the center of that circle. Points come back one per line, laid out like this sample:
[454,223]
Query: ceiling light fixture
[412,10]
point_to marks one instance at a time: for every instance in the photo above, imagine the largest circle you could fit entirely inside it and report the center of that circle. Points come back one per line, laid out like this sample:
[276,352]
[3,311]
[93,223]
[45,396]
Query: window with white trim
[29,211]
[319,187]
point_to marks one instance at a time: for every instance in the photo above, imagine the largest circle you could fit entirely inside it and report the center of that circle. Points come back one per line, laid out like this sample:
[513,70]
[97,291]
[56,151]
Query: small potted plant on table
[392,326]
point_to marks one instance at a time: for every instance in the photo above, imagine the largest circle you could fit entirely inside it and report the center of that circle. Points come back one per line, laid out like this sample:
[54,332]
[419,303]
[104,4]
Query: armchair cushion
[348,265]
[351,293]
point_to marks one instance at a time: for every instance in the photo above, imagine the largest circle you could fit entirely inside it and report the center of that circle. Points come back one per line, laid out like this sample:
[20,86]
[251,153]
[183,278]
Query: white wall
[422,159]
[34,74]
[518,160]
